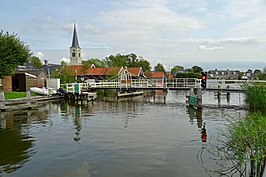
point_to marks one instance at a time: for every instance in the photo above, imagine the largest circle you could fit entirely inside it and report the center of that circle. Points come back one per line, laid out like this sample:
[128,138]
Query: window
[79,54]
[73,55]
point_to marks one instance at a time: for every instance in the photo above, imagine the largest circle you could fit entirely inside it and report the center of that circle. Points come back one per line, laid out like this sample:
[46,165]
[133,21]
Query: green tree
[13,52]
[64,75]
[144,64]
[197,69]
[116,61]
[130,60]
[177,68]
[159,67]
[96,62]
[35,61]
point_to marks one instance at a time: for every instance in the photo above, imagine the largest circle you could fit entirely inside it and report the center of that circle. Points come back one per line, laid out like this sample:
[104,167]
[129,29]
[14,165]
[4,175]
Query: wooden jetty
[129,94]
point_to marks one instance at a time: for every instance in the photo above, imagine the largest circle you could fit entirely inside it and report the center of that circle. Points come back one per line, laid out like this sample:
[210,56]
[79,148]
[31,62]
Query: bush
[188,75]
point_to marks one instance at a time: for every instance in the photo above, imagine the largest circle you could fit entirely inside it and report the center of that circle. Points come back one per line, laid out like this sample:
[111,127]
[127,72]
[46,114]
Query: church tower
[75,50]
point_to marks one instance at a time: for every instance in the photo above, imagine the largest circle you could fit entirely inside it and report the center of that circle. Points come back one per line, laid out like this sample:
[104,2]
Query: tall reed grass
[247,142]
[256,96]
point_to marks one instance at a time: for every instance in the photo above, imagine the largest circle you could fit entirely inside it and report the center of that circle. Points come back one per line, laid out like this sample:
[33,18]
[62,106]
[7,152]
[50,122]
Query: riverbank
[26,103]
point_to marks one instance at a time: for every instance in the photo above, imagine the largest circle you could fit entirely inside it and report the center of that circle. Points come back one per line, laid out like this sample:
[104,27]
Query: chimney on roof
[45,62]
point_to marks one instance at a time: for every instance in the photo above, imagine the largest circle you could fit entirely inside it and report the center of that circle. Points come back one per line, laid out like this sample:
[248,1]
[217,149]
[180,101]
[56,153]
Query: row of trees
[118,60]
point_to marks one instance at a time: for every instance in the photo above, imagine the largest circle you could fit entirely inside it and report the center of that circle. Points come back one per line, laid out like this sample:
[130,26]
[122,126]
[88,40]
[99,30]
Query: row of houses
[230,74]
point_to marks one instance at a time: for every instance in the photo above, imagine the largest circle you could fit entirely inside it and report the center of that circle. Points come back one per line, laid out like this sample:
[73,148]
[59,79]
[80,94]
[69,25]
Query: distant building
[50,68]
[223,74]
[75,50]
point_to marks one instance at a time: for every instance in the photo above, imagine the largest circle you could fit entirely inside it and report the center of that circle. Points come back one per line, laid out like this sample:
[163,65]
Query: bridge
[164,84]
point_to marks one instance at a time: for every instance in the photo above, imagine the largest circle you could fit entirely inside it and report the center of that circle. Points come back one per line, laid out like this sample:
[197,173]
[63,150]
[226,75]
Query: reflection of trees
[14,146]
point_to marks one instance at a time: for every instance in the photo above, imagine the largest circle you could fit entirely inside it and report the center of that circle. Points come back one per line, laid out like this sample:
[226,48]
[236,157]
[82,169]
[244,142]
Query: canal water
[147,137]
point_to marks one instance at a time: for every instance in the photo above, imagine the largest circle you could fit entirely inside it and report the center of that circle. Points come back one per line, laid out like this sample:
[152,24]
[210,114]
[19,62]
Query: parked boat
[43,91]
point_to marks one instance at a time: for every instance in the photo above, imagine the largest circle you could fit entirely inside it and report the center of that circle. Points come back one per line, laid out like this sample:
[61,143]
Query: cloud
[39,55]
[66,60]
[150,20]
[238,41]
[203,47]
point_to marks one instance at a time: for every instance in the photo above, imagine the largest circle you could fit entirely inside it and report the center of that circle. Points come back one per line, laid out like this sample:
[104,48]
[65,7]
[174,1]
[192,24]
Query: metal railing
[150,83]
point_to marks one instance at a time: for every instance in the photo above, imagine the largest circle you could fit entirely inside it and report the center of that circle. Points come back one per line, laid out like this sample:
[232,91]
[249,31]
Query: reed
[246,140]
[256,96]
[241,148]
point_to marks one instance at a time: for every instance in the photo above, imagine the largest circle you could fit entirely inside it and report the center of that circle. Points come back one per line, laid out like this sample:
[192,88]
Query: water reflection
[195,115]
[145,137]
[15,142]
[77,123]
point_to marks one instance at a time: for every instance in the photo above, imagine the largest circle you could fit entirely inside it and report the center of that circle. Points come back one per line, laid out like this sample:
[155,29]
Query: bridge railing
[183,83]
[170,83]
[231,84]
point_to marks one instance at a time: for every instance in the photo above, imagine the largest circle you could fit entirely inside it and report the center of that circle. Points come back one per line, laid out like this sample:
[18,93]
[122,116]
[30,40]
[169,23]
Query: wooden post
[2,94]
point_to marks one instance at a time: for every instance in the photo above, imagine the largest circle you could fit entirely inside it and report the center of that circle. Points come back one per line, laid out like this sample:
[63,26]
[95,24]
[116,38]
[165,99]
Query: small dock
[82,96]
[129,94]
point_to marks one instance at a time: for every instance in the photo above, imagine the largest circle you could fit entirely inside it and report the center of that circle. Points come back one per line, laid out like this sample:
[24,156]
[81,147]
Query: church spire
[75,42]
[75,50]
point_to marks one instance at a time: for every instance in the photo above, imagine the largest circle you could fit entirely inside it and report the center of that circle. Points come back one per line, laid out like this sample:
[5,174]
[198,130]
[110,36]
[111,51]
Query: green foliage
[159,67]
[35,61]
[13,52]
[175,69]
[106,93]
[256,96]
[247,142]
[14,95]
[241,148]
[262,76]
[130,60]
[188,75]
[97,62]
[197,69]
[63,75]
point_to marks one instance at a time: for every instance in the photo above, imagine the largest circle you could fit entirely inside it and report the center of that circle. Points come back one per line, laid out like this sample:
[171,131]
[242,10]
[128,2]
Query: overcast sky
[222,34]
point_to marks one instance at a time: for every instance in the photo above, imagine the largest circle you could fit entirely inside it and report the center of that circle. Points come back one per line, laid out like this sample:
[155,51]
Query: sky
[213,34]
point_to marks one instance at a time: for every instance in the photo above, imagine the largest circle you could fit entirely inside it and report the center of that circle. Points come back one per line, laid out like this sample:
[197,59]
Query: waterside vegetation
[241,148]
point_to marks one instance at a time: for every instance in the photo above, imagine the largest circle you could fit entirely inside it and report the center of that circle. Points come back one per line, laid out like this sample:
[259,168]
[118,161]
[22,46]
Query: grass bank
[15,95]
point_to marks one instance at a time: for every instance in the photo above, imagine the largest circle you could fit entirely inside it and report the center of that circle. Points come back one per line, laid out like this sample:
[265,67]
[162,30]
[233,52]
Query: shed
[21,82]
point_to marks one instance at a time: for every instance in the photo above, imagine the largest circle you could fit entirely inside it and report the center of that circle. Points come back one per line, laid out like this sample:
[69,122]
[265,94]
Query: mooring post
[199,98]
[165,91]
[28,96]
[2,94]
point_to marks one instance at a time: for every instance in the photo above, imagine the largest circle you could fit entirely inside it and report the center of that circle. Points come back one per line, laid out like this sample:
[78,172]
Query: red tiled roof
[154,75]
[75,69]
[95,71]
[135,71]
[112,71]
[170,76]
